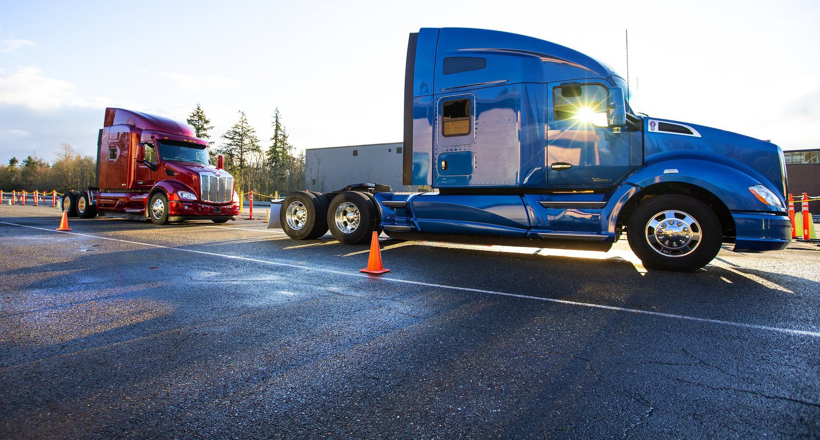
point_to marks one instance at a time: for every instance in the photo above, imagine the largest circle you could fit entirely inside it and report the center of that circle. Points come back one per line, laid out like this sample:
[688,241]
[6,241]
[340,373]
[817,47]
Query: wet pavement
[124,329]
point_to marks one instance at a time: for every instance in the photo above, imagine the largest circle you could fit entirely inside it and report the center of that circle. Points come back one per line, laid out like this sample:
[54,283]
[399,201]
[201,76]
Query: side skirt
[504,241]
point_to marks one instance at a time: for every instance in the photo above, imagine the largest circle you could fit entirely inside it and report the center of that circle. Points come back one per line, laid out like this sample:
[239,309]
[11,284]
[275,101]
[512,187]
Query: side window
[112,153]
[150,153]
[456,117]
[584,103]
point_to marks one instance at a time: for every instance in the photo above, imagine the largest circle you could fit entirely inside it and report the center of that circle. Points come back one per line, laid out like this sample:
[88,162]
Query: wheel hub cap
[157,209]
[673,233]
[296,215]
[347,218]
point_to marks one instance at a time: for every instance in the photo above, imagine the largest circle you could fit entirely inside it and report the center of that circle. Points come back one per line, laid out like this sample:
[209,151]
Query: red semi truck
[150,167]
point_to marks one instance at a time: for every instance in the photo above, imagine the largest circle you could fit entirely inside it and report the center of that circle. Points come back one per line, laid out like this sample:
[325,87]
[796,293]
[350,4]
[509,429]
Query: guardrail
[22,197]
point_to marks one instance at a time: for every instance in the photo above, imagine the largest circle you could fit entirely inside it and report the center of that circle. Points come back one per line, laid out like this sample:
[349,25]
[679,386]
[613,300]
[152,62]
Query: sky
[335,69]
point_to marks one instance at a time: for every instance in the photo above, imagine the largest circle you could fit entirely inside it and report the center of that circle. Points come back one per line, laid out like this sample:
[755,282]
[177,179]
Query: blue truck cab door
[582,151]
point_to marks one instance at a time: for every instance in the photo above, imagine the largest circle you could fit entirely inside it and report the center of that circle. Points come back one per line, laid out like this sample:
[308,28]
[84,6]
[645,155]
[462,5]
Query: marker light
[587,115]
[765,196]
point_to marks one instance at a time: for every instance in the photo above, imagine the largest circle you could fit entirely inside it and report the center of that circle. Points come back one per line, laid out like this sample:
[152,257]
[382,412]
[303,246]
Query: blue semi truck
[534,144]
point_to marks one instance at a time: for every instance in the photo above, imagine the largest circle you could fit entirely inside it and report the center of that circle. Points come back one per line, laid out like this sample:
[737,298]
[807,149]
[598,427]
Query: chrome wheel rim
[296,215]
[673,233]
[347,218]
[67,204]
[80,204]
[158,209]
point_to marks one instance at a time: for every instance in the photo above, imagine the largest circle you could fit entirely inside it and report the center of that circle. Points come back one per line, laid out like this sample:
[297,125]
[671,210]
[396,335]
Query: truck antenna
[627,64]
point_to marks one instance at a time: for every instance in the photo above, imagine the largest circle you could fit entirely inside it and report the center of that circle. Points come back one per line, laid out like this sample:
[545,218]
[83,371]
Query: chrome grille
[216,189]
[221,190]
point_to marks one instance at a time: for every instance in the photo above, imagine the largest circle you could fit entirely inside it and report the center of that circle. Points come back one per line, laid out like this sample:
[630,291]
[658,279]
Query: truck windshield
[182,153]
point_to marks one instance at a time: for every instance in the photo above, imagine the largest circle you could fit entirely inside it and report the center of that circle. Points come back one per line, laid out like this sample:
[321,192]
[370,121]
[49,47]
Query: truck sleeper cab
[150,167]
[532,143]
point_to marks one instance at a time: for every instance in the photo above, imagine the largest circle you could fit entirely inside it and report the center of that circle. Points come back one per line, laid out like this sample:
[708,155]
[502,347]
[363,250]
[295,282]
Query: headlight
[186,195]
[765,196]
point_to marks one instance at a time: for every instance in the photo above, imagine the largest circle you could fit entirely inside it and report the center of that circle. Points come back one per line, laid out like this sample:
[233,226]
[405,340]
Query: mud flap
[273,220]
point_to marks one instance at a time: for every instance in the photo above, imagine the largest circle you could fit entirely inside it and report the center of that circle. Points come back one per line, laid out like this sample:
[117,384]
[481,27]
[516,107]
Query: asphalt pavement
[121,329]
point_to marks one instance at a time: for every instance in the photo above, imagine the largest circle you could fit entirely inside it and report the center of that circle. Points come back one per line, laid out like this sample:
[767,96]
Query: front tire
[70,203]
[675,233]
[84,207]
[303,216]
[158,209]
[219,220]
[351,217]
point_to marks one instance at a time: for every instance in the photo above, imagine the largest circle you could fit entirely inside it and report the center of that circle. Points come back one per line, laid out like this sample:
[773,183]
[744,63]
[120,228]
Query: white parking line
[267,231]
[788,331]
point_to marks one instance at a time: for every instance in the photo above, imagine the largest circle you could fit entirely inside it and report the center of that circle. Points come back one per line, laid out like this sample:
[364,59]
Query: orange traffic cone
[374,262]
[64,222]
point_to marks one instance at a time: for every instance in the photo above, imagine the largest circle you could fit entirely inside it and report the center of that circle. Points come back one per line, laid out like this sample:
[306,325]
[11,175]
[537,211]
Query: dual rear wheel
[351,216]
[78,204]
[84,207]
[69,203]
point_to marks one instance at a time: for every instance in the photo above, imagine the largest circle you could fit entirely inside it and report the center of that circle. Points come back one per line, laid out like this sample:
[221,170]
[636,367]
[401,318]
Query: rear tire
[158,209]
[70,203]
[303,216]
[376,213]
[84,207]
[351,217]
[675,233]
[322,199]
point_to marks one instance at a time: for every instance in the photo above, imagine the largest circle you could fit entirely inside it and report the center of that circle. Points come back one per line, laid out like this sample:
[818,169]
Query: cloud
[9,46]
[14,134]
[191,82]
[27,87]
[25,130]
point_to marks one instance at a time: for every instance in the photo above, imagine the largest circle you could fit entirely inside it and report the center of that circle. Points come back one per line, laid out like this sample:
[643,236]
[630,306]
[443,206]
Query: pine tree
[240,142]
[202,127]
[278,158]
[200,123]
[278,150]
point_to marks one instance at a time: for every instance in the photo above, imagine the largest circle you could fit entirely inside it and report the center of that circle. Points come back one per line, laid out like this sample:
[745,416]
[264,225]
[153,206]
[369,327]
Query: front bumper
[761,231]
[179,218]
[193,210]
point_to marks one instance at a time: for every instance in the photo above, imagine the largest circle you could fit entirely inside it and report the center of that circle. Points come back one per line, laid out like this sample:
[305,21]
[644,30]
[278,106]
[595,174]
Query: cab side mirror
[140,157]
[616,110]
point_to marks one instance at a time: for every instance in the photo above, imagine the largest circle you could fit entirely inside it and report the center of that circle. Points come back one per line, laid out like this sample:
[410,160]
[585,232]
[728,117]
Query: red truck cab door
[147,166]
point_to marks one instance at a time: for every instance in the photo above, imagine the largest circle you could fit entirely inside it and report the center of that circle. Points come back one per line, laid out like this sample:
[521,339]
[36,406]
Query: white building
[333,168]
